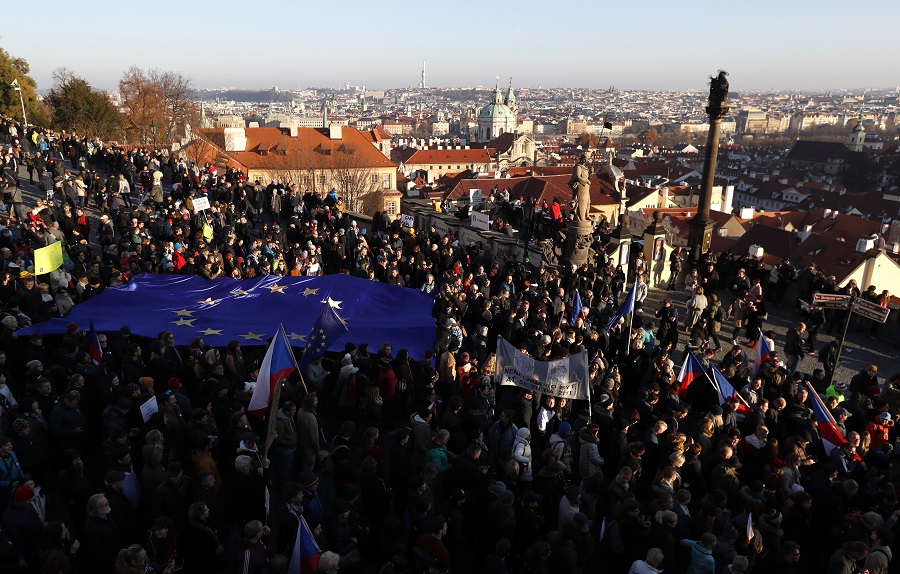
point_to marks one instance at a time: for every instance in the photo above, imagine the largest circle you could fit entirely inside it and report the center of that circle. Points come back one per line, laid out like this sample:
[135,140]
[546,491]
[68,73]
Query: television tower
[422,84]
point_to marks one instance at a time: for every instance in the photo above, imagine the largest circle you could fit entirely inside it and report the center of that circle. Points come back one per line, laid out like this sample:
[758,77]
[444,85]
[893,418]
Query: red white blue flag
[726,391]
[691,370]
[305,558]
[94,349]
[763,352]
[277,364]
[831,436]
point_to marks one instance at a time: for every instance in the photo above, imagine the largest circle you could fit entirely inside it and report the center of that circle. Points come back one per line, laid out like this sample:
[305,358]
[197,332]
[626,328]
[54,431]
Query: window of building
[386,180]
[374,179]
[392,208]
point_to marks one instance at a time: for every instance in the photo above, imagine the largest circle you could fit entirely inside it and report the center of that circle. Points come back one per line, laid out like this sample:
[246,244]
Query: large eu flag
[250,311]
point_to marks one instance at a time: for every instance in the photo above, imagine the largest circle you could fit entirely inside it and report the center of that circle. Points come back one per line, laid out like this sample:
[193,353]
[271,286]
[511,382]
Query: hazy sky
[660,45]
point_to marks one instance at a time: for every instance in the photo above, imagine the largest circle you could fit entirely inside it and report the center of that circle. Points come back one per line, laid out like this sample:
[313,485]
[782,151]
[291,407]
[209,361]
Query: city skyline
[663,47]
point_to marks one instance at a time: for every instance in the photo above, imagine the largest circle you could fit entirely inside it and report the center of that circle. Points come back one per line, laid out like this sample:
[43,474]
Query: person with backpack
[561,446]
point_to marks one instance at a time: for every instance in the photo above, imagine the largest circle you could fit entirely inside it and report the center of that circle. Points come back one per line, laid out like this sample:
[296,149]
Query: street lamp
[153,131]
[18,88]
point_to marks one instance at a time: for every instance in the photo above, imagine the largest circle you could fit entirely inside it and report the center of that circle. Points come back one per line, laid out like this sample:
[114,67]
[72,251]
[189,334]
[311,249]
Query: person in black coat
[203,551]
[100,536]
[248,490]
[22,524]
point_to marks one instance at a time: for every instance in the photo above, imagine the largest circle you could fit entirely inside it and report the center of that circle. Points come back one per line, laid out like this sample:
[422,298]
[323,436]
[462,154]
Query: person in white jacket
[522,454]
[650,565]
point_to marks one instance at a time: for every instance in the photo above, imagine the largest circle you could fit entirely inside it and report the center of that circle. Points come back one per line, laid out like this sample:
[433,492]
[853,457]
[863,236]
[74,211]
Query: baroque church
[499,116]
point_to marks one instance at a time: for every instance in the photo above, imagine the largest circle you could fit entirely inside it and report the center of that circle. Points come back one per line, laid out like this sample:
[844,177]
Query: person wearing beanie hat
[10,469]
[866,382]
[561,446]
[22,524]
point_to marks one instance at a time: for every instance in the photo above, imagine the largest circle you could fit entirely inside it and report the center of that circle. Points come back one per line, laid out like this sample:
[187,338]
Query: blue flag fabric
[250,311]
[625,308]
[327,329]
[576,308]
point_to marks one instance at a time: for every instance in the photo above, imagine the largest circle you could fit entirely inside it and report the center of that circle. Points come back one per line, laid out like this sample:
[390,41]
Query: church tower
[511,100]
[857,136]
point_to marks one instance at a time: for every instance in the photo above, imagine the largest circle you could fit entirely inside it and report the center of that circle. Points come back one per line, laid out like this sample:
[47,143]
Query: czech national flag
[277,364]
[763,352]
[829,433]
[94,349]
[690,370]
[726,391]
[305,558]
[750,533]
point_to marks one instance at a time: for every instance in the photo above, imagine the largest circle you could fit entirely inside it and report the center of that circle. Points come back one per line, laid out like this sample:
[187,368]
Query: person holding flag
[691,370]
[306,557]
[576,309]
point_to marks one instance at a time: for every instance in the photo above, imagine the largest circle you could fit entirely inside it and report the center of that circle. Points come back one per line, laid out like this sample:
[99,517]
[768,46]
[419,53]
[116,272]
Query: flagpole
[276,396]
[294,360]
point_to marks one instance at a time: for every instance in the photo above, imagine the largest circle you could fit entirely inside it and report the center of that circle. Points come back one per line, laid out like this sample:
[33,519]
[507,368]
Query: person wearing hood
[702,561]
[589,460]
[522,455]
[421,427]
[880,556]
[562,447]
[347,400]
[439,456]
[285,443]
[308,431]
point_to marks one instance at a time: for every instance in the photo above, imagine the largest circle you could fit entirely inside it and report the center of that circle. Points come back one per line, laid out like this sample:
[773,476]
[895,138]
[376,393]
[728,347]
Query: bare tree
[178,97]
[142,105]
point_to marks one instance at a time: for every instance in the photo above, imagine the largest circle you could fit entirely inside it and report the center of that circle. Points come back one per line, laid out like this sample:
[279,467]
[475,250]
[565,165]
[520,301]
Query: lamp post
[153,131]
[18,88]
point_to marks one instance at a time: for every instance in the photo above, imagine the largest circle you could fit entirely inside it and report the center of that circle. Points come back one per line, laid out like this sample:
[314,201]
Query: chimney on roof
[235,139]
[826,214]
[729,199]
[335,132]
[865,243]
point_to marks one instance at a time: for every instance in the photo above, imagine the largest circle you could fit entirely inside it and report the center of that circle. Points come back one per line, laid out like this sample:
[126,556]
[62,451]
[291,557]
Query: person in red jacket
[880,430]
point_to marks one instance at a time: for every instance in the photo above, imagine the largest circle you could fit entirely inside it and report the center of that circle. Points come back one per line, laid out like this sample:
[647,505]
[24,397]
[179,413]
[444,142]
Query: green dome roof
[495,111]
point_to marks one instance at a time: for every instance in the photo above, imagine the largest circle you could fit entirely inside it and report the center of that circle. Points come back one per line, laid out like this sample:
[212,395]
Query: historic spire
[498,95]
[511,99]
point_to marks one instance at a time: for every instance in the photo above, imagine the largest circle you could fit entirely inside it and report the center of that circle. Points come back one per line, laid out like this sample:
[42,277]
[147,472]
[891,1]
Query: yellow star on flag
[240,292]
[211,331]
[184,322]
[277,288]
[183,313]
[254,336]
[308,291]
[296,337]
[209,301]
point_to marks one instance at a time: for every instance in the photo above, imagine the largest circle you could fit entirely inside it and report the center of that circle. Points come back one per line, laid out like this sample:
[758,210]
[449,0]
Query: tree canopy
[76,106]
[17,69]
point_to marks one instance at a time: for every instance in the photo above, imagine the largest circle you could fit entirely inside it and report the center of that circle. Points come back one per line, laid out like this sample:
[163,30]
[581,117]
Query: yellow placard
[46,259]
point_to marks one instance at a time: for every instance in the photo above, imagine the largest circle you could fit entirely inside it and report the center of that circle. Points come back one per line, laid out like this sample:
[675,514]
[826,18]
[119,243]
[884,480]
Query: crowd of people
[402,464]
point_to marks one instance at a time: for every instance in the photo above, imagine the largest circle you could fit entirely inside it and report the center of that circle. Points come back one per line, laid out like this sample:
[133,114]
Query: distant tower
[857,136]
[423,85]
[511,100]
[325,112]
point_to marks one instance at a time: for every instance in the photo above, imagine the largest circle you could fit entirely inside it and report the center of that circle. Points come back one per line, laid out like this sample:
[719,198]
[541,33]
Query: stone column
[656,252]
[620,244]
[701,225]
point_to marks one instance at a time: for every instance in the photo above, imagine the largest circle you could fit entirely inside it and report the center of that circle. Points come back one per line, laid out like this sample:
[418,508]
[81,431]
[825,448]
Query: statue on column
[718,89]
[581,188]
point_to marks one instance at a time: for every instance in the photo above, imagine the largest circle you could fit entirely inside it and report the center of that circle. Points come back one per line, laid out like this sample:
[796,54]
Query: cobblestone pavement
[860,350]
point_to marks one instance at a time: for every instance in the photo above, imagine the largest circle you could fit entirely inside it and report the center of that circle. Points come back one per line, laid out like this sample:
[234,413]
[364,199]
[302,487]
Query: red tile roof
[448,156]
[311,148]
